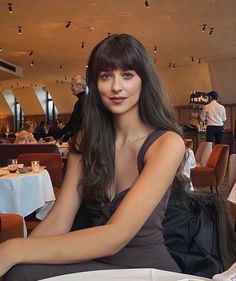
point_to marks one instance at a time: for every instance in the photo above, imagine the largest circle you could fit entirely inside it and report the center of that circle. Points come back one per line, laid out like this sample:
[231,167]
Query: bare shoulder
[170,143]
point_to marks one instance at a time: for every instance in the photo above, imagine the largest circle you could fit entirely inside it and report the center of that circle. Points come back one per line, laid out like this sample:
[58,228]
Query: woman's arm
[61,217]
[162,160]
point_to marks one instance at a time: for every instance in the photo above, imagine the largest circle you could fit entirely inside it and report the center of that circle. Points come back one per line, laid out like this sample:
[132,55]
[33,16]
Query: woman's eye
[128,75]
[105,76]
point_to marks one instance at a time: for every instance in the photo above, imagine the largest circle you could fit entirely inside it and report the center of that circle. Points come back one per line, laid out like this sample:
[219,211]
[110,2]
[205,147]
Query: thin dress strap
[149,140]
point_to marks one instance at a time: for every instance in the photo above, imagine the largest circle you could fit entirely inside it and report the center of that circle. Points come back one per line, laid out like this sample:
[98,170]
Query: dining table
[189,164]
[25,193]
[139,274]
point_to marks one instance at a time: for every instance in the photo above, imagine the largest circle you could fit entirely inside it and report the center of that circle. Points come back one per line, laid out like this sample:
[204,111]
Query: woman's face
[119,90]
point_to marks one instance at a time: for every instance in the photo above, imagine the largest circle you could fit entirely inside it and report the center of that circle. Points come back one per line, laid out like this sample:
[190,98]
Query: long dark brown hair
[124,52]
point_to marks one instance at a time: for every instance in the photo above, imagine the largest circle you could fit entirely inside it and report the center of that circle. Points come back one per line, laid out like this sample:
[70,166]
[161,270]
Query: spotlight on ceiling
[204,27]
[68,23]
[211,30]
[60,67]
[0,49]
[31,53]
[108,34]
[146,3]
[173,65]
[32,63]
[19,30]
[10,8]
[82,45]
[155,49]
[199,60]
[192,58]
[170,64]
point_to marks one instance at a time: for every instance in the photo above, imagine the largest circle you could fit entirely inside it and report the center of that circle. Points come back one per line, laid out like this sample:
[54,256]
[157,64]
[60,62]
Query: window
[19,116]
[51,110]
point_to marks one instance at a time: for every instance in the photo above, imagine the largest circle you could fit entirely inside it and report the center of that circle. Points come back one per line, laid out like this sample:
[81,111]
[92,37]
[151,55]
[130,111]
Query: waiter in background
[214,114]
[78,88]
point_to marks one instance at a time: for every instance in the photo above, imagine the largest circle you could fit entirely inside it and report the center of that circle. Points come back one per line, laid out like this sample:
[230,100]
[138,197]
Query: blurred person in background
[25,135]
[78,88]
[215,115]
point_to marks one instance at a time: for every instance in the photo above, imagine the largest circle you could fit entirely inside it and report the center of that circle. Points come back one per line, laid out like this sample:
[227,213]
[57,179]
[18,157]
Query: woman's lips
[117,100]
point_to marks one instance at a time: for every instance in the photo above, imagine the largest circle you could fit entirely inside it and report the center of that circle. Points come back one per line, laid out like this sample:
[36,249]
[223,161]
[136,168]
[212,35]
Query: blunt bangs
[117,53]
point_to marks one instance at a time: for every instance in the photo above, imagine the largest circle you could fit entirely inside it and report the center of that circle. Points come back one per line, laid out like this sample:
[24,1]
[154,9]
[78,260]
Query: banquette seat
[12,150]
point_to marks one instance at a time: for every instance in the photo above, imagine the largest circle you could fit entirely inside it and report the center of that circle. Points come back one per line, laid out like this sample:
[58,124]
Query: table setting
[24,189]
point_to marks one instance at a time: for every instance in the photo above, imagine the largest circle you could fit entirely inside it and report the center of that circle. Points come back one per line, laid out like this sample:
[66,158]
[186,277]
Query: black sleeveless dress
[147,248]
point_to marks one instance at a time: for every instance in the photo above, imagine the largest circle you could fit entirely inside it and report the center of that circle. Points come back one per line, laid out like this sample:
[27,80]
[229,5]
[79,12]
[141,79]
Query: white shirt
[214,113]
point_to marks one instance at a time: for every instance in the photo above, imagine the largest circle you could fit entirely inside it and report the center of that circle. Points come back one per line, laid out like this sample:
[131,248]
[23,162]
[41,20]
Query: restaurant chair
[11,226]
[232,181]
[203,152]
[53,163]
[213,173]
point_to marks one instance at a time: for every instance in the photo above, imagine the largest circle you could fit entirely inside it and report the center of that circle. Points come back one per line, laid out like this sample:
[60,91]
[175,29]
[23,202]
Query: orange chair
[214,171]
[232,181]
[53,163]
[11,226]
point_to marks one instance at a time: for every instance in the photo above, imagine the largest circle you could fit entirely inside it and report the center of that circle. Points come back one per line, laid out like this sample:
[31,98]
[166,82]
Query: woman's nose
[116,84]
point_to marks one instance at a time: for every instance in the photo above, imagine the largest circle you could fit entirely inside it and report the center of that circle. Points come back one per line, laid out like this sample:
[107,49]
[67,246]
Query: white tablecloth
[232,195]
[189,164]
[25,193]
[141,274]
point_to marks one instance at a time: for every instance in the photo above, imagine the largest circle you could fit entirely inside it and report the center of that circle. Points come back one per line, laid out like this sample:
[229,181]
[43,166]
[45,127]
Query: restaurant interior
[44,44]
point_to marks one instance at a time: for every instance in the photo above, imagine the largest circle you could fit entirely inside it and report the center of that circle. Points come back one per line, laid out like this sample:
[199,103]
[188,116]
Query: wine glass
[12,165]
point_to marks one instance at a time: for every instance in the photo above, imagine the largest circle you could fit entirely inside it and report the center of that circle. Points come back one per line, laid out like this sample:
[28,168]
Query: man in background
[214,114]
[78,88]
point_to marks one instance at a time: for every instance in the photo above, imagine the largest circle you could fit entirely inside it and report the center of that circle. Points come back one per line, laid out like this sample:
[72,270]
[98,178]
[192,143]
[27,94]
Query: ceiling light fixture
[82,44]
[173,65]
[146,3]
[192,58]
[155,49]
[170,64]
[10,8]
[91,28]
[68,23]
[204,27]
[211,30]
[199,60]
[19,30]
[108,34]
[60,67]
[31,53]
[0,49]
[32,63]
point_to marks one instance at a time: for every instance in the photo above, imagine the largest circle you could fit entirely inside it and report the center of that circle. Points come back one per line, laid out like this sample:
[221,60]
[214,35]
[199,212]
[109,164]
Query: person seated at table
[25,135]
[120,166]
[43,132]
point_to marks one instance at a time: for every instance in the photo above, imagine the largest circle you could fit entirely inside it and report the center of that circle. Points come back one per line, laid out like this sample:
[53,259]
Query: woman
[25,134]
[121,166]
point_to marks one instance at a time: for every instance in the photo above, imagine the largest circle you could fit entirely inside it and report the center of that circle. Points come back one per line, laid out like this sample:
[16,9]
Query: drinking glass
[12,165]
[35,165]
